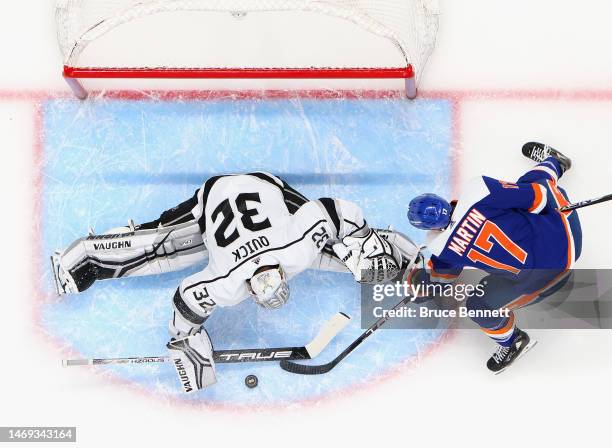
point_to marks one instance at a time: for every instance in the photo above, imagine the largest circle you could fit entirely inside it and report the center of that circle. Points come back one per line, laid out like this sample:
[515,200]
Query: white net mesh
[411,25]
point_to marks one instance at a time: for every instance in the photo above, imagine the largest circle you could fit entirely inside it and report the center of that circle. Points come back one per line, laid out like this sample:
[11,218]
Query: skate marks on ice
[111,160]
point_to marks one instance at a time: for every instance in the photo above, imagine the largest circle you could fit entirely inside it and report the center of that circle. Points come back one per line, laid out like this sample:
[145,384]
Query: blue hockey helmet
[429,212]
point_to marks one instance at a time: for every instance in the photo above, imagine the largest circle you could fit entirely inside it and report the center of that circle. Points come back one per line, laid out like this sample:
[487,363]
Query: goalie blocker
[193,360]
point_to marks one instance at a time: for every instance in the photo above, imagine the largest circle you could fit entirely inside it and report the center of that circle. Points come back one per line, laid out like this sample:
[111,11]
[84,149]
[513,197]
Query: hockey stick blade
[327,332]
[311,369]
[307,369]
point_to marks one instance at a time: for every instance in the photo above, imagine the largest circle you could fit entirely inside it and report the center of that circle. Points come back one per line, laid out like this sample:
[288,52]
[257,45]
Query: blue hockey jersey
[507,228]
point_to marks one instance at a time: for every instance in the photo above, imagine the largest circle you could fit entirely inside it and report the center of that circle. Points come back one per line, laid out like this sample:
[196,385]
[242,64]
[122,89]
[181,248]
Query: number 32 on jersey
[248,217]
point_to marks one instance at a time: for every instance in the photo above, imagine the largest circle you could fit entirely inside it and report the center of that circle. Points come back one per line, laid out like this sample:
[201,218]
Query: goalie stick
[327,332]
[310,369]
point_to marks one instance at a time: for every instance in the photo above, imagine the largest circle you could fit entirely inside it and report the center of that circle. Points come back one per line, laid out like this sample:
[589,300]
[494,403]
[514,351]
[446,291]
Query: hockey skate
[505,356]
[64,283]
[538,152]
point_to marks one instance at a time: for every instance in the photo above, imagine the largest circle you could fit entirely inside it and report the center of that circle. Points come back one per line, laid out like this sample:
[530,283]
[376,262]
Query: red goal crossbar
[74,74]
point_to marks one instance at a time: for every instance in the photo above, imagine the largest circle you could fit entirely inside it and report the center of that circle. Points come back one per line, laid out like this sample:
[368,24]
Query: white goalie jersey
[254,220]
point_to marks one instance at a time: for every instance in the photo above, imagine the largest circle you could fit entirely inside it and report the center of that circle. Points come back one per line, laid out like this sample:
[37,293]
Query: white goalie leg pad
[192,358]
[136,252]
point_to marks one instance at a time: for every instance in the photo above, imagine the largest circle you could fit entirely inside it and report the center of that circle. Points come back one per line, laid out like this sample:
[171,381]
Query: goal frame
[73,75]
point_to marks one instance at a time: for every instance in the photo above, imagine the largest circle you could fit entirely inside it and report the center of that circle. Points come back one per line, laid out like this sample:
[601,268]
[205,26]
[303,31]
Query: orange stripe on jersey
[478,257]
[570,241]
[562,202]
[504,329]
[559,198]
[435,274]
[526,299]
[538,199]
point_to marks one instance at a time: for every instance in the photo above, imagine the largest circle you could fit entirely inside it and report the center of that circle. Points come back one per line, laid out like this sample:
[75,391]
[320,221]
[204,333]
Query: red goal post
[408,26]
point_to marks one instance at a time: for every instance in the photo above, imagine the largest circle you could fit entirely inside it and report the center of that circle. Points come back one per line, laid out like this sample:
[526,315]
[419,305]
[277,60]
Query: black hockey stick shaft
[260,354]
[309,369]
[586,203]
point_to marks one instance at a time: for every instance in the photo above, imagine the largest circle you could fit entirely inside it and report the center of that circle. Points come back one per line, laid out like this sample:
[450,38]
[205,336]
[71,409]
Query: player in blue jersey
[512,230]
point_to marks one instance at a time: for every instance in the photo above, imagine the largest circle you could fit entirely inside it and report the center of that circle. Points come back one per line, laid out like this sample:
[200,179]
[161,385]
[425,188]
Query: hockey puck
[251,381]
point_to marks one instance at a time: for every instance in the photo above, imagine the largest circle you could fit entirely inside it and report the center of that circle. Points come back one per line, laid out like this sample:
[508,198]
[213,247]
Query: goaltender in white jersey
[257,233]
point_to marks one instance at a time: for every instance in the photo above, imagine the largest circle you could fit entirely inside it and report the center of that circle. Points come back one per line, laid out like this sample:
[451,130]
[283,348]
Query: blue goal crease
[111,160]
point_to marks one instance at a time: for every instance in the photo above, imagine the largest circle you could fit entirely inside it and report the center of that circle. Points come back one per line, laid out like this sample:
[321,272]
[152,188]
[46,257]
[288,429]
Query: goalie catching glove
[371,258]
[193,360]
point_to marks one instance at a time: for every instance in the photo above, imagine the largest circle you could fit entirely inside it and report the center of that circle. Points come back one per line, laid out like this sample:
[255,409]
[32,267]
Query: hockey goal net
[227,38]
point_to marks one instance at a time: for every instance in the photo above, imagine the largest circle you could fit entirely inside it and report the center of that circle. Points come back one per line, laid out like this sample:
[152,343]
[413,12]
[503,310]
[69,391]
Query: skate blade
[55,275]
[529,346]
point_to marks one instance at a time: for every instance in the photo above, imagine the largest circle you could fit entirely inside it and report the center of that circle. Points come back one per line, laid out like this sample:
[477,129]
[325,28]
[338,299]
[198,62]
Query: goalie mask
[269,287]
